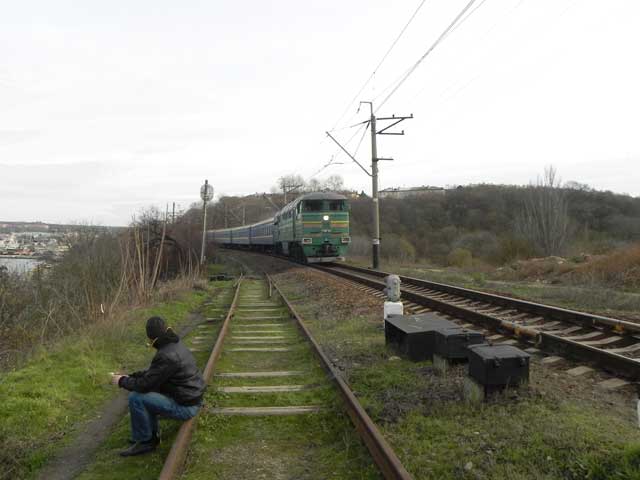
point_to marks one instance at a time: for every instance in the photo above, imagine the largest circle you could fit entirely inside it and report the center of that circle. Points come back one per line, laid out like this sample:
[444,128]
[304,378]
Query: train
[314,228]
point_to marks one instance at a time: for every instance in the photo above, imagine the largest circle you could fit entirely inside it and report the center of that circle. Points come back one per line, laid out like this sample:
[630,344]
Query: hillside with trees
[497,224]
[478,227]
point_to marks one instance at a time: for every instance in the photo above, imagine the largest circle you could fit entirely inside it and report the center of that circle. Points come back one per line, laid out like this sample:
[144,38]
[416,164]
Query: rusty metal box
[452,343]
[498,365]
[414,335]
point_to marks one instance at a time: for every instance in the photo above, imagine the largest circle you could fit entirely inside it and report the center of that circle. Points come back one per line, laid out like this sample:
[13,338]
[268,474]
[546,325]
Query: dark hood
[159,333]
[169,336]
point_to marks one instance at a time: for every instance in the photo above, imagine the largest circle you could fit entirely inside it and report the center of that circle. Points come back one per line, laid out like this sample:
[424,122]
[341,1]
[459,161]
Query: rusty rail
[175,459]
[547,311]
[382,453]
[548,341]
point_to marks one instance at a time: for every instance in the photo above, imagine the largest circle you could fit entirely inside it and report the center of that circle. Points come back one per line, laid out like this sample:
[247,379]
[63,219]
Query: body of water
[19,265]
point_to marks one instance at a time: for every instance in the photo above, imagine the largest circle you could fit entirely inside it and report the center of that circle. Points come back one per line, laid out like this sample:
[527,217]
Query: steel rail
[610,361]
[382,453]
[548,311]
[175,459]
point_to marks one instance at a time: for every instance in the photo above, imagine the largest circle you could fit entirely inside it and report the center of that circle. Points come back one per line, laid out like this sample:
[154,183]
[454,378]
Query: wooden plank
[273,337]
[282,373]
[627,349]
[259,349]
[265,411]
[552,360]
[263,389]
[265,332]
[613,384]
[578,371]
[258,310]
[259,320]
[604,341]
[258,325]
[586,336]
[265,317]
[247,343]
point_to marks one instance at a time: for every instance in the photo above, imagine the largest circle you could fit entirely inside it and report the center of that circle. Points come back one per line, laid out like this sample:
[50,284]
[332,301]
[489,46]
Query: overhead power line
[467,17]
[382,60]
[442,36]
[364,126]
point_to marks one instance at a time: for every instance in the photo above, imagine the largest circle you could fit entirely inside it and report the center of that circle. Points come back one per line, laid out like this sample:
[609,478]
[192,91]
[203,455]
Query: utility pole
[276,207]
[375,241]
[375,207]
[173,213]
[206,193]
[286,188]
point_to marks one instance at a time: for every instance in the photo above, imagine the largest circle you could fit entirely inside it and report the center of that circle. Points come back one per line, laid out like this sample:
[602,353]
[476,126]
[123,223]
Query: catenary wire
[429,50]
[397,79]
[382,60]
[362,125]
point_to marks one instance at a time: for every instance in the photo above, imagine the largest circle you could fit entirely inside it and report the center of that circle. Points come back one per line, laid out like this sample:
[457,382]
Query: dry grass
[620,269]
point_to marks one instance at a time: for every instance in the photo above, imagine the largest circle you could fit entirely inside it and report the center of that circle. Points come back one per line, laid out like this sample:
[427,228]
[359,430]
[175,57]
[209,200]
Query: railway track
[249,360]
[608,343]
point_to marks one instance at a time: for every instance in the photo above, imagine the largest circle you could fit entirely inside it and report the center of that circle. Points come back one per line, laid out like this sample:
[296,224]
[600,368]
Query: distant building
[410,192]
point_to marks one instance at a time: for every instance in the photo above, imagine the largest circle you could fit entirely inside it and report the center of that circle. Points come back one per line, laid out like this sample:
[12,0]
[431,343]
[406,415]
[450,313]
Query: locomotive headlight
[325,218]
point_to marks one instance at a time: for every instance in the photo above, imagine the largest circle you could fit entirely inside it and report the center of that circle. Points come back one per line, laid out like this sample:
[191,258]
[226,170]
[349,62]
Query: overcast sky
[108,107]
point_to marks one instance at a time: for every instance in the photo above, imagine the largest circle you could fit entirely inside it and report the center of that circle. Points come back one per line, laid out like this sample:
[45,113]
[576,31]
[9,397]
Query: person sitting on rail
[172,387]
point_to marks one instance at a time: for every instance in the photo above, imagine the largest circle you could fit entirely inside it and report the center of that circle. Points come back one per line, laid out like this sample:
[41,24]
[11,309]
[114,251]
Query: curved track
[384,457]
[610,344]
[175,459]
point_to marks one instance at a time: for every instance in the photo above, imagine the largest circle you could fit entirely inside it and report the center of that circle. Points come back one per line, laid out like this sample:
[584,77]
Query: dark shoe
[155,440]
[139,448]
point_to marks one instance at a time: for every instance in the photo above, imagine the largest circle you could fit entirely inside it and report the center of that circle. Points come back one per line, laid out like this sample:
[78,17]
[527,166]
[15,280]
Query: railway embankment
[606,285]
[559,426]
[50,401]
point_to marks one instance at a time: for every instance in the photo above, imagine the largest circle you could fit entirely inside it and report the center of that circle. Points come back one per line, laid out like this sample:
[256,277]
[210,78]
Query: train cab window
[337,205]
[312,206]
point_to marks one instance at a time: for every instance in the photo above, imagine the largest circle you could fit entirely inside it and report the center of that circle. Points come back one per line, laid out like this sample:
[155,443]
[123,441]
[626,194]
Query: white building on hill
[399,192]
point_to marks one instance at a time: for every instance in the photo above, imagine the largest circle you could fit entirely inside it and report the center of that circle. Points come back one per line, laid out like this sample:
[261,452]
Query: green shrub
[479,279]
[460,257]
[514,248]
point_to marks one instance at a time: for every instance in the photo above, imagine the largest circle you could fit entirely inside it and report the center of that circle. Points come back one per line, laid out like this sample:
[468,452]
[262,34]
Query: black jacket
[173,372]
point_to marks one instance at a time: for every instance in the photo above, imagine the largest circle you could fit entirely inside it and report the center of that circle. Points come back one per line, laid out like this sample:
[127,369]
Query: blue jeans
[145,408]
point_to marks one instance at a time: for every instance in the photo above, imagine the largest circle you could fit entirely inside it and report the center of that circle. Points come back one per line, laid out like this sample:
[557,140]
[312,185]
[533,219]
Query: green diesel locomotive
[313,228]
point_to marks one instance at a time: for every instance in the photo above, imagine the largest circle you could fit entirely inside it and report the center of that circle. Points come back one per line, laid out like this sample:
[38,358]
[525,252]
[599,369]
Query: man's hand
[115,378]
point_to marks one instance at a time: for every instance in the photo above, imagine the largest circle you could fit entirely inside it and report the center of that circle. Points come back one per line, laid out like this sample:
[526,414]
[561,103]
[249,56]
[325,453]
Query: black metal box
[498,365]
[452,343]
[219,277]
[415,334]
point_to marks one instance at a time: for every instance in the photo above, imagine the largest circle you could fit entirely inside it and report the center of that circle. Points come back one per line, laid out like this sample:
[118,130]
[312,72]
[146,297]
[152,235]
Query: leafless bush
[103,272]
[544,219]
[480,244]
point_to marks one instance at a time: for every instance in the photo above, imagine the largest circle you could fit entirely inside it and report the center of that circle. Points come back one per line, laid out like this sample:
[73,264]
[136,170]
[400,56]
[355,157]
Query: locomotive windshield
[324,205]
[337,205]
[312,206]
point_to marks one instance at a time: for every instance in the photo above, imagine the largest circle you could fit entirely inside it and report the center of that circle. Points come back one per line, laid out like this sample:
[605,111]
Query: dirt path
[75,457]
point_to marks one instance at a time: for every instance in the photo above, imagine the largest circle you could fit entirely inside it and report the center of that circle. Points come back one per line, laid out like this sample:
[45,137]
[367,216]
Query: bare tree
[291,182]
[544,219]
[334,183]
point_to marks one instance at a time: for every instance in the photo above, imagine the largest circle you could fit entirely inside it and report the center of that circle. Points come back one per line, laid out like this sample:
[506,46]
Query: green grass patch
[50,397]
[108,464]
[313,446]
[597,298]
[531,435]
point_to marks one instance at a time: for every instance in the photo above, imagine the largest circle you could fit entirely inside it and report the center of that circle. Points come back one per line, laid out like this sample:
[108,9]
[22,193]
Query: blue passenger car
[262,233]
[313,228]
